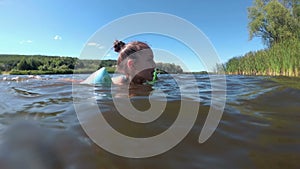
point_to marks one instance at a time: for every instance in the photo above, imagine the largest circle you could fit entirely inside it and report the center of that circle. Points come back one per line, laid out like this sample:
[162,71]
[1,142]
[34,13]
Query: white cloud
[92,44]
[25,41]
[57,37]
[97,45]
[100,47]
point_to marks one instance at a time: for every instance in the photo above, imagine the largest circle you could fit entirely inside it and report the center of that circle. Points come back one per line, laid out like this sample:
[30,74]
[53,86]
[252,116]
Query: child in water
[135,61]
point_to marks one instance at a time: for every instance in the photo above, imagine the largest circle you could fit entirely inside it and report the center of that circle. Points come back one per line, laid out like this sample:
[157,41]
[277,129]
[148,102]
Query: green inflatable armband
[154,79]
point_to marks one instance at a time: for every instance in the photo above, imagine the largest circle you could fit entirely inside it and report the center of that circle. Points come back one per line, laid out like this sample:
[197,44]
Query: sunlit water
[259,127]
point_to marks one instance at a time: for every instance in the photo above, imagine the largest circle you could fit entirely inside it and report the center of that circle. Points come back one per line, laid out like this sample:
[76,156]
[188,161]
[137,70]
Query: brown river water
[39,128]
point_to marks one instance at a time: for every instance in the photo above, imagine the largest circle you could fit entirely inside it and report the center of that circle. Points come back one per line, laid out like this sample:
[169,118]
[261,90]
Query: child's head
[135,60]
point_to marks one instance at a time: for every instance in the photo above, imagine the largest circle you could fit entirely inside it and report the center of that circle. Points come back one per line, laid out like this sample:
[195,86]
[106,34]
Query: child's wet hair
[118,45]
[128,50]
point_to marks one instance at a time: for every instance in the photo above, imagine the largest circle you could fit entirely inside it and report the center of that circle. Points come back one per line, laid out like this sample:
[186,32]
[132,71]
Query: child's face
[144,65]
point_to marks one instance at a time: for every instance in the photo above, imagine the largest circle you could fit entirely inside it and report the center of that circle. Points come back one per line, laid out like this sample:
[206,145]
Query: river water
[258,129]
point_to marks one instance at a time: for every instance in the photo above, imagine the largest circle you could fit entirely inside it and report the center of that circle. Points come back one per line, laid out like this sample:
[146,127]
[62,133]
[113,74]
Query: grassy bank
[282,59]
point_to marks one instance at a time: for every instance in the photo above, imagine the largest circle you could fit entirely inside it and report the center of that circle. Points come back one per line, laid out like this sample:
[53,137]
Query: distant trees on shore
[277,23]
[39,64]
[169,67]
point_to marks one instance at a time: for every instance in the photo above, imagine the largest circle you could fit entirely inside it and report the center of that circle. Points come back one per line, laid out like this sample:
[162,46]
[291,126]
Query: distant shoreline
[38,72]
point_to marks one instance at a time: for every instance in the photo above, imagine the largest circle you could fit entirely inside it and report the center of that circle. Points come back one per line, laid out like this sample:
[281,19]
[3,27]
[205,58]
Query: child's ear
[130,63]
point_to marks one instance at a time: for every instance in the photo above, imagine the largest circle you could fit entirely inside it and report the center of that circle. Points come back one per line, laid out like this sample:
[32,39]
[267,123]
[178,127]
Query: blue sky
[63,27]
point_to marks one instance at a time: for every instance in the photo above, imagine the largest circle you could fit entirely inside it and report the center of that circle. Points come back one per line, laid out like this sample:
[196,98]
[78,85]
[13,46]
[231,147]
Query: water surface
[259,127]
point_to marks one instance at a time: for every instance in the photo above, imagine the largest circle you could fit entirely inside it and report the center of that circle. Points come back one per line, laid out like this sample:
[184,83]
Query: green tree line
[169,67]
[277,23]
[40,64]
